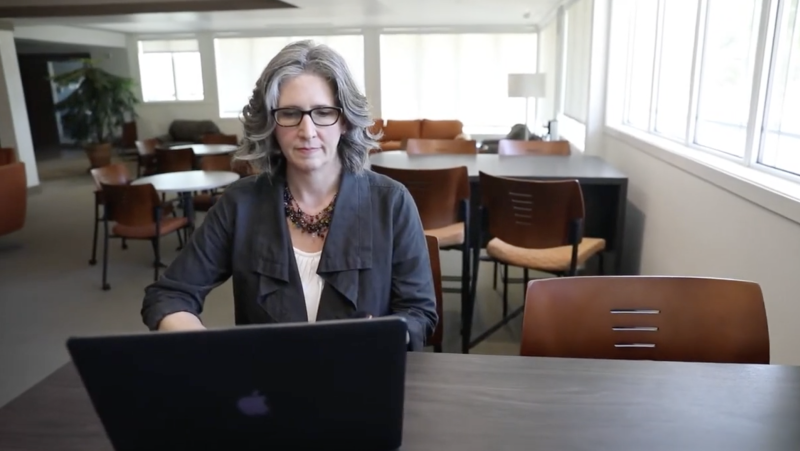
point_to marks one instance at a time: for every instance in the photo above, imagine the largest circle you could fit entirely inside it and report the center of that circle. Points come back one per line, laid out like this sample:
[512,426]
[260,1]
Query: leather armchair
[13,197]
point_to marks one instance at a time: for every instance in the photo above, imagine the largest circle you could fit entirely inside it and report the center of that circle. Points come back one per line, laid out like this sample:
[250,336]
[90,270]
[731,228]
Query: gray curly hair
[259,146]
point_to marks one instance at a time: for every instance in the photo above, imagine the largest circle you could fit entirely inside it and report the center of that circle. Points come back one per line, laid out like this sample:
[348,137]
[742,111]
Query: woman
[315,236]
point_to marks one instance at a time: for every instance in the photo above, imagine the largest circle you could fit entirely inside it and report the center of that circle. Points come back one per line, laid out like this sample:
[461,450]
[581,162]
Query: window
[578,49]
[675,67]
[170,70]
[725,76]
[781,139]
[456,76]
[640,63]
[240,62]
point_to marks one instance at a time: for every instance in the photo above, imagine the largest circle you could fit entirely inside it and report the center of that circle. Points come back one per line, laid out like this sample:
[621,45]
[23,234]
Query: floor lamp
[526,86]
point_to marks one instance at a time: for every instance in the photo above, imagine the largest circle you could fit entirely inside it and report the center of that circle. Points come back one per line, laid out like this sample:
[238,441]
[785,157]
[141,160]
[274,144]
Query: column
[15,131]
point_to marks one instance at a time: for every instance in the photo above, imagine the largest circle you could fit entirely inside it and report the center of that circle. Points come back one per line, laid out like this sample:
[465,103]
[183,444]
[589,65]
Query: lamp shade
[526,85]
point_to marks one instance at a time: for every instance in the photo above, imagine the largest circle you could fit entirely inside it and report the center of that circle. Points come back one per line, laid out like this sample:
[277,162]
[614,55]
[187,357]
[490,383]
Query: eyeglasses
[291,117]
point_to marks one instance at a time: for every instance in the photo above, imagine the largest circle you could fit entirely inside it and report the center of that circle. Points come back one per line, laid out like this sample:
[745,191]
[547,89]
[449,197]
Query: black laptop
[300,386]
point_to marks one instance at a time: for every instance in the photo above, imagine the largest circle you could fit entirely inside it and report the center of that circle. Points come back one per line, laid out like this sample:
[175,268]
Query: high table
[605,189]
[478,402]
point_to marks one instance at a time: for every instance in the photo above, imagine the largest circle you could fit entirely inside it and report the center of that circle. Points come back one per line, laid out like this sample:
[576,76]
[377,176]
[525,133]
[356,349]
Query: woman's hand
[180,321]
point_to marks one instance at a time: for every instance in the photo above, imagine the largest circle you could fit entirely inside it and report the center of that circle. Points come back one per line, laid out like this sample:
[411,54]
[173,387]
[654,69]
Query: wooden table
[476,402]
[605,189]
[201,150]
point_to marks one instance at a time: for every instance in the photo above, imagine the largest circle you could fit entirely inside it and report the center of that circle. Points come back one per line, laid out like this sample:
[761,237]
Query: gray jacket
[375,259]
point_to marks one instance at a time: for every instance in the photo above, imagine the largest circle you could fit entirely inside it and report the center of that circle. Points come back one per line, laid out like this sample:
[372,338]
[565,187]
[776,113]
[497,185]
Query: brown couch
[13,192]
[183,131]
[395,133]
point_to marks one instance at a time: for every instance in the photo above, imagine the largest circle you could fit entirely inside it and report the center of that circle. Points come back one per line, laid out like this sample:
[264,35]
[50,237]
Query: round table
[188,181]
[185,183]
[208,149]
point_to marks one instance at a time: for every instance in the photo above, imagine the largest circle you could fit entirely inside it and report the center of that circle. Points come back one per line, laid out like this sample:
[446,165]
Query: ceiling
[320,14]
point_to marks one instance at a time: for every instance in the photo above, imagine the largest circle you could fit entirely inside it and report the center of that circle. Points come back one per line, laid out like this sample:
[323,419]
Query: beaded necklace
[316,225]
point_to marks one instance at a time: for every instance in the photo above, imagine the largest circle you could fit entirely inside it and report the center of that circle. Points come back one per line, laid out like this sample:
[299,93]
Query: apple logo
[254,404]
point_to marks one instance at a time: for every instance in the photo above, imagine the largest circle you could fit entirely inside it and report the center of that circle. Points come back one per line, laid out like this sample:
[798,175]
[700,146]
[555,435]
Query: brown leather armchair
[13,192]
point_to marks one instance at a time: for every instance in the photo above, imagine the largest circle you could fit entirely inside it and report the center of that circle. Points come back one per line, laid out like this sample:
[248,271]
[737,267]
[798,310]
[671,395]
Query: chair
[442,199]
[174,160]
[440,146]
[138,214]
[518,147]
[221,162]
[7,156]
[220,138]
[437,337]
[534,225]
[13,193]
[692,319]
[146,157]
[113,174]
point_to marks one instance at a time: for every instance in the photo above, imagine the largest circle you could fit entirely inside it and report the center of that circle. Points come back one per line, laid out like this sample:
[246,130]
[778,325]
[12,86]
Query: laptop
[294,386]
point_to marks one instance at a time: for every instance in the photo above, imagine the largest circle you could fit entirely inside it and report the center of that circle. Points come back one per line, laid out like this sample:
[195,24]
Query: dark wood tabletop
[476,402]
[587,168]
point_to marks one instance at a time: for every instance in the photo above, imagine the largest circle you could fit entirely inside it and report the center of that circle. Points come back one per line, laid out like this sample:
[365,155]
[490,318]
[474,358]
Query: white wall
[15,130]
[692,227]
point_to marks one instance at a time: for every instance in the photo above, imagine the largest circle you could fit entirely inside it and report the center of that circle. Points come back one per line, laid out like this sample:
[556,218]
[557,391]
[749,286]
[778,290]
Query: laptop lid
[325,385]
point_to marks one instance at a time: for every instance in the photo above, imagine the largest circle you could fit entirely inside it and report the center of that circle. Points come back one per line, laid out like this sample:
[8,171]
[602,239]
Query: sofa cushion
[447,129]
[400,130]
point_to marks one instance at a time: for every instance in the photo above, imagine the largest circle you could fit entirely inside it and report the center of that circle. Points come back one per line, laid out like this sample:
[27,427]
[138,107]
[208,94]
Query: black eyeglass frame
[303,113]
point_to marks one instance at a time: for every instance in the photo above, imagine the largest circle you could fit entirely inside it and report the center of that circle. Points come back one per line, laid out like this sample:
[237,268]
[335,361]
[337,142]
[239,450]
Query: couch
[13,192]
[395,133]
[183,132]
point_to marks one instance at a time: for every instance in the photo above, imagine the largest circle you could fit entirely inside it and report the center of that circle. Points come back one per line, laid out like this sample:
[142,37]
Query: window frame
[139,53]
[471,129]
[314,33]
[763,79]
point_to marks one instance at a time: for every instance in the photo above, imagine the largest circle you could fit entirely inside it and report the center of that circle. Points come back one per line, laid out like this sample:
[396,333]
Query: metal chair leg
[157,253]
[106,286]
[505,290]
[93,260]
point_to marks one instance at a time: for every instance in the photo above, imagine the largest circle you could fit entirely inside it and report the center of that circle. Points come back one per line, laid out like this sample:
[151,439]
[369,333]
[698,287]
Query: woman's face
[308,146]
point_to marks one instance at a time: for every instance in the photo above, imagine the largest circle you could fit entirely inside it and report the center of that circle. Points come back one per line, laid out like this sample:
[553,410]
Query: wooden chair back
[220,138]
[7,156]
[221,162]
[416,146]
[130,205]
[521,147]
[130,135]
[113,174]
[146,147]
[691,319]
[436,269]
[437,193]
[174,160]
[533,214]
[13,197]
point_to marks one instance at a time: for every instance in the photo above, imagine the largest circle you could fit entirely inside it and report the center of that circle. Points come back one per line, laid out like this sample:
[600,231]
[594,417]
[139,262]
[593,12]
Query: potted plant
[96,109]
